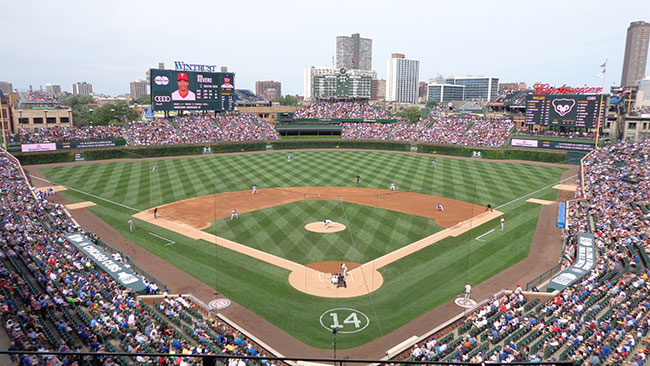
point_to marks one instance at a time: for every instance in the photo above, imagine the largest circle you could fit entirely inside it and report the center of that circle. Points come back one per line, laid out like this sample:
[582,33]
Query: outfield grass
[413,285]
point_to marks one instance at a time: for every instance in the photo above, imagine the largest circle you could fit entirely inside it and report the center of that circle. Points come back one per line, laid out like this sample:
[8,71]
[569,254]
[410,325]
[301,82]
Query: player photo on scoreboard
[183,92]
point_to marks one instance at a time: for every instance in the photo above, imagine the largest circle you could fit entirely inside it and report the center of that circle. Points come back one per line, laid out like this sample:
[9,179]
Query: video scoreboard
[174,90]
[573,110]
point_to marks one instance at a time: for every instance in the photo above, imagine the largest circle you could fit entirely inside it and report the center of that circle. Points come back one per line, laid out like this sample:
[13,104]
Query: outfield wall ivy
[179,150]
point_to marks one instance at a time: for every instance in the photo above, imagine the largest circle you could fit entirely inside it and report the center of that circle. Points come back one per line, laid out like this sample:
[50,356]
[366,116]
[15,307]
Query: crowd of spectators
[604,318]
[195,129]
[74,133]
[462,130]
[53,298]
[342,110]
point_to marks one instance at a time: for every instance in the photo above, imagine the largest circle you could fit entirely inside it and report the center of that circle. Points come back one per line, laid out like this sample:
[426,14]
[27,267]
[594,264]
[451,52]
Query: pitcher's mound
[319,227]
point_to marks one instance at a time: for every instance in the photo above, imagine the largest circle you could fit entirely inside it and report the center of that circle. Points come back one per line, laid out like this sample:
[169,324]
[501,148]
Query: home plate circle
[219,304]
[465,303]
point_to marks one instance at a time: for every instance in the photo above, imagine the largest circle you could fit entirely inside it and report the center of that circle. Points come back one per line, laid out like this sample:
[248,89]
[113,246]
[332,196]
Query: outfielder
[433,164]
[154,168]
[392,186]
[234,214]
[131,224]
[255,190]
[288,158]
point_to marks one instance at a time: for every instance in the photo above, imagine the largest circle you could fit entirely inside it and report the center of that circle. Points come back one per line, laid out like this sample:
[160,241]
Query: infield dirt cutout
[188,217]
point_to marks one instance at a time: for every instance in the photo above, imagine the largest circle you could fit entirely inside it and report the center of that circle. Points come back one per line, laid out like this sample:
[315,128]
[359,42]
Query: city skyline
[110,45]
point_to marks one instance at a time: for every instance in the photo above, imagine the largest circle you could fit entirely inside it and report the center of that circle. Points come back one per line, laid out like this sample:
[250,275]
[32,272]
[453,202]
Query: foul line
[480,236]
[165,239]
[541,189]
[87,194]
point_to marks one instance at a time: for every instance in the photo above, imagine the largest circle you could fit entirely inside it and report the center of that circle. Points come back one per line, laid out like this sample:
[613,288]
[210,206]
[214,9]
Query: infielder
[155,213]
[440,208]
[392,186]
[468,290]
[131,224]
[328,222]
[503,221]
[255,190]
[234,214]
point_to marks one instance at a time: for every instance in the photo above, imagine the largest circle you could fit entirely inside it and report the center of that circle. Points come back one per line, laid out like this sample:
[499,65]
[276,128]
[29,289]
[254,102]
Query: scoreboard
[342,85]
[573,110]
[174,90]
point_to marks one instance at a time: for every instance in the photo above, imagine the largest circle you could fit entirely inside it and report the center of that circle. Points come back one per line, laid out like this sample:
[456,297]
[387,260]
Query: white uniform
[288,158]
[468,289]
[433,164]
[345,269]
[440,208]
[154,168]
[328,222]
[392,187]
[255,190]
[503,221]
[131,225]
[234,214]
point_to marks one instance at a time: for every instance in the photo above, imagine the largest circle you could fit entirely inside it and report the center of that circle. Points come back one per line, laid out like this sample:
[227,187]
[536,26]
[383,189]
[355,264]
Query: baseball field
[250,259]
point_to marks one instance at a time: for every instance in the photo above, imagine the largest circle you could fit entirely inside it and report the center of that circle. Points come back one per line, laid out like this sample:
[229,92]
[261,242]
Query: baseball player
[255,190]
[131,224]
[155,213]
[433,164]
[392,186]
[154,168]
[358,178]
[489,208]
[440,208]
[503,221]
[468,290]
[234,214]
[344,268]
[288,158]
[328,222]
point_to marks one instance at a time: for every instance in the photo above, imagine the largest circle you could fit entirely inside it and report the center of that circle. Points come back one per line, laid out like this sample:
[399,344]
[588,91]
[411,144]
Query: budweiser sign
[541,89]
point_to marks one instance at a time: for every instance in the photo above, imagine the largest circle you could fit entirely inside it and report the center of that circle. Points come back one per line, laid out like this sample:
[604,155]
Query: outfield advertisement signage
[545,144]
[91,144]
[121,274]
[345,120]
[585,262]
[38,147]
[175,90]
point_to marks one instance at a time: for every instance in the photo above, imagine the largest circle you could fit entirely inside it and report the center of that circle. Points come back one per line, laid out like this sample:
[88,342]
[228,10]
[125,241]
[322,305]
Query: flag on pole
[604,70]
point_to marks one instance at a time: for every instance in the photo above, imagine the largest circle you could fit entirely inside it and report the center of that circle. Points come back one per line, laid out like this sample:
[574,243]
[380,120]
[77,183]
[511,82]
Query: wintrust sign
[541,89]
[180,65]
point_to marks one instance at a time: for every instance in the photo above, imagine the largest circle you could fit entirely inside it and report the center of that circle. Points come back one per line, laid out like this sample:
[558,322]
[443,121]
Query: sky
[111,43]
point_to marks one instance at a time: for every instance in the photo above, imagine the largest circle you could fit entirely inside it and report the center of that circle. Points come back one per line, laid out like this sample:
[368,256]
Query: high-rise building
[138,88]
[423,90]
[402,79]
[381,89]
[511,87]
[262,86]
[636,53]
[354,52]
[445,92]
[484,88]
[53,89]
[82,87]
[6,87]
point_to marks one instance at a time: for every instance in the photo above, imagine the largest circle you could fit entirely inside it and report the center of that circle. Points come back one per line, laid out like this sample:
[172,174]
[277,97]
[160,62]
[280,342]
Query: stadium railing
[98,358]
[151,278]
